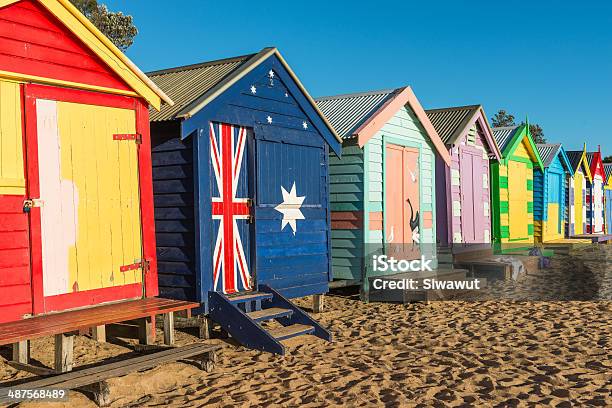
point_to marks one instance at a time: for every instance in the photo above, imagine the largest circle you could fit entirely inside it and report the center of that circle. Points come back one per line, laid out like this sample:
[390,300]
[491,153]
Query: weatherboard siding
[34,42]
[346,202]
[173,185]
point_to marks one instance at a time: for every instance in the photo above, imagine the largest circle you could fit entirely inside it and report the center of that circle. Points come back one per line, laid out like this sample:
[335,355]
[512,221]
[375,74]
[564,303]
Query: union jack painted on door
[231,191]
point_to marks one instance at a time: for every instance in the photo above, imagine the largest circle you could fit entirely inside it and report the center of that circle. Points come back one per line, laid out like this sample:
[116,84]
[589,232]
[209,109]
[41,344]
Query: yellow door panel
[98,189]
[518,198]
[578,204]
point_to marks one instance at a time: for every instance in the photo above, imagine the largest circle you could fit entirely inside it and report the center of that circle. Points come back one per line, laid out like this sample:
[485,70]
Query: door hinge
[137,137]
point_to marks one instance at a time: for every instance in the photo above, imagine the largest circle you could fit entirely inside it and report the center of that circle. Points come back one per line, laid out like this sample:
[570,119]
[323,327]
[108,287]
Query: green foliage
[537,133]
[118,27]
[607,159]
[502,119]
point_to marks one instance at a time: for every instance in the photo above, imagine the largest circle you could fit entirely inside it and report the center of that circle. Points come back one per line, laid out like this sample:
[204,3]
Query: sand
[485,353]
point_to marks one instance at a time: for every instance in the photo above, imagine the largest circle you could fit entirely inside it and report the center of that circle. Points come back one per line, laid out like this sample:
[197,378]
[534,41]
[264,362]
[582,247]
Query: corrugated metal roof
[548,152]
[574,157]
[608,170]
[450,122]
[503,135]
[186,84]
[590,156]
[347,112]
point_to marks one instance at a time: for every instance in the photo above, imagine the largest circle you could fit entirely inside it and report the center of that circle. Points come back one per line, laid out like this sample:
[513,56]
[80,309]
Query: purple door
[472,209]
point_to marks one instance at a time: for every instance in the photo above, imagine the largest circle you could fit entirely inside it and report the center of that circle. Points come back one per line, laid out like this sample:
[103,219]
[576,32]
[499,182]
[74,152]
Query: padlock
[27,206]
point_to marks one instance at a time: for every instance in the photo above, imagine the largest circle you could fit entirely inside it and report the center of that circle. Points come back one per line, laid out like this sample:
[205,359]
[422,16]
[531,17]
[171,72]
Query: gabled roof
[508,139]
[578,158]
[99,44]
[348,112]
[608,171]
[361,115]
[195,86]
[454,122]
[548,152]
[595,162]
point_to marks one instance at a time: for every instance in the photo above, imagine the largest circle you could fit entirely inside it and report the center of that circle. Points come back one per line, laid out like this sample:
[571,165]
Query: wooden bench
[65,325]
[92,381]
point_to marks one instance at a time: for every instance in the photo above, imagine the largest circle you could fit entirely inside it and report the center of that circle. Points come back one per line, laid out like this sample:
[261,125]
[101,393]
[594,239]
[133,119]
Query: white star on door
[290,208]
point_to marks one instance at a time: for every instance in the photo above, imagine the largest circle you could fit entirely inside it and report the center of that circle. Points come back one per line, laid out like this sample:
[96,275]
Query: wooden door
[518,198]
[578,203]
[232,197]
[83,174]
[555,188]
[597,204]
[402,200]
[472,208]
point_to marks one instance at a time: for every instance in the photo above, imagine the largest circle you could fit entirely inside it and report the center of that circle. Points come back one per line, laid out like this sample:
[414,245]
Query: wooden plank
[21,352]
[64,352]
[318,303]
[83,377]
[98,333]
[169,329]
[73,320]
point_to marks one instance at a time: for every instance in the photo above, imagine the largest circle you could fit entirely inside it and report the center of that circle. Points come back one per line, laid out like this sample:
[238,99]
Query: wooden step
[269,314]
[287,332]
[249,297]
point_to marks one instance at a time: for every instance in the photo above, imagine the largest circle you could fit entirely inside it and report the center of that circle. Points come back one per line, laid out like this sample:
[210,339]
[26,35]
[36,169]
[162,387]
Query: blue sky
[550,61]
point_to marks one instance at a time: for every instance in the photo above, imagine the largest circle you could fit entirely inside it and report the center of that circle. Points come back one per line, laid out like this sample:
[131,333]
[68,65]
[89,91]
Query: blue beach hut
[240,170]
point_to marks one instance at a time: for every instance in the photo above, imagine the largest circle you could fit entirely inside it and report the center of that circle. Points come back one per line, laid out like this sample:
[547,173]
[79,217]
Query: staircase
[247,318]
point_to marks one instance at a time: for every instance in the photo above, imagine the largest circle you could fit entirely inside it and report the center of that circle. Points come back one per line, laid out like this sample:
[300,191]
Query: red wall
[34,42]
[14,260]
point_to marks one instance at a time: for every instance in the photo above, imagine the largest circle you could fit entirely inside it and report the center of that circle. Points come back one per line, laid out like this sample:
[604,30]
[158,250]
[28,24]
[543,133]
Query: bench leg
[64,347]
[205,362]
[146,330]
[169,329]
[21,352]
[318,303]
[98,392]
[98,333]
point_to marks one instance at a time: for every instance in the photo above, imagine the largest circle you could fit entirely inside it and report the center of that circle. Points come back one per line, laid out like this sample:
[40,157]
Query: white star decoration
[290,208]
[253,89]
[305,125]
[271,74]
[269,119]
[286,95]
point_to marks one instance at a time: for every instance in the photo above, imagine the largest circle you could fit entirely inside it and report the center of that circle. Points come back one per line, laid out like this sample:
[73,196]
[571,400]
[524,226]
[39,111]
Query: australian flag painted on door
[241,180]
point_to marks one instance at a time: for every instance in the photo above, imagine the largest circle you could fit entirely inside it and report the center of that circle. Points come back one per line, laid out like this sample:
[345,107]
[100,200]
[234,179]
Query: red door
[402,201]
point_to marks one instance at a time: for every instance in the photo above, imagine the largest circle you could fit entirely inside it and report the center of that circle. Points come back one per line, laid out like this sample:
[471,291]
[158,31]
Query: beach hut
[512,186]
[240,169]
[76,218]
[550,194]
[578,191]
[383,186]
[608,197]
[595,194]
[462,190]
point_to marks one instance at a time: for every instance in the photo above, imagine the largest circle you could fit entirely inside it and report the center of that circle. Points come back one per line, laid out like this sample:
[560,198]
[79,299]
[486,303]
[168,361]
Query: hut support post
[169,329]
[98,333]
[64,347]
[205,327]
[318,303]
[21,352]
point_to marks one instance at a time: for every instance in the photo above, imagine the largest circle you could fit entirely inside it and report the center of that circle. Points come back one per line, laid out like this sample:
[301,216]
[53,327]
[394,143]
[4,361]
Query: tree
[607,159]
[118,27]
[537,133]
[502,118]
